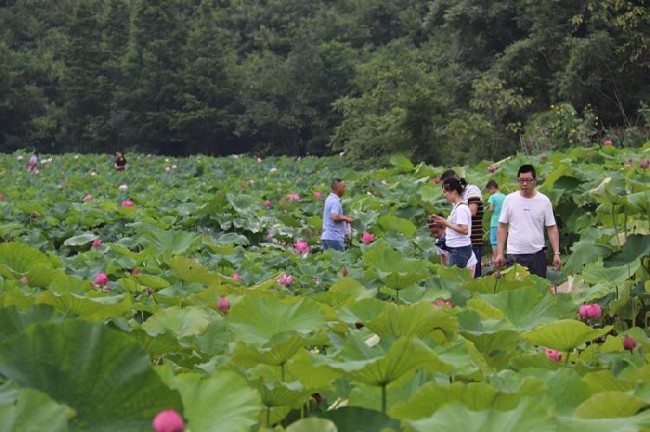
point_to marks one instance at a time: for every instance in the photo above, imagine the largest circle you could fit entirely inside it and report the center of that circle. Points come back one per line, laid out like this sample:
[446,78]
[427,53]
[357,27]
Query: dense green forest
[441,80]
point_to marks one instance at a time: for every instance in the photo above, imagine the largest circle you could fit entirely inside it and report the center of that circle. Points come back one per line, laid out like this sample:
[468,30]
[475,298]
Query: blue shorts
[493,237]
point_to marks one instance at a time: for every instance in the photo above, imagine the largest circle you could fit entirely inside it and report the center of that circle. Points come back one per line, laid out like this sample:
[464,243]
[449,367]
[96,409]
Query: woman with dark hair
[458,225]
[120,161]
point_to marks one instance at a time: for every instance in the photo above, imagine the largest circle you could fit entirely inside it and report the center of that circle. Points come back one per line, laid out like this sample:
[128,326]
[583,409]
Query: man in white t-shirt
[523,217]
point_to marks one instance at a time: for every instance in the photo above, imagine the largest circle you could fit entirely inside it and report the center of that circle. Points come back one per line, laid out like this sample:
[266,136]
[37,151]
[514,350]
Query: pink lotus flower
[168,421]
[24,280]
[168,169]
[285,280]
[223,304]
[267,203]
[97,243]
[628,343]
[293,197]
[607,142]
[644,163]
[492,168]
[281,201]
[436,180]
[554,355]
[88,197]
[367,238]
[135,271]
[344,272]
[318,194]
[590,311]
[443,303]
[127,203]
[101,279]
[302,247]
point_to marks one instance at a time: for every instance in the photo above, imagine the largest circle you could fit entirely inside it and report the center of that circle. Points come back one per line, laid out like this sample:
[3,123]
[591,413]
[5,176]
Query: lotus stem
[383,399]
[566,361]
[268,417]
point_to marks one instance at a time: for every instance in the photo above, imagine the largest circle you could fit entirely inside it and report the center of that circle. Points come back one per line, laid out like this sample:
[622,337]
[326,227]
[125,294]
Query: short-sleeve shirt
[526,219]
[472,195]
[497,203]
[333,230]
[460,215]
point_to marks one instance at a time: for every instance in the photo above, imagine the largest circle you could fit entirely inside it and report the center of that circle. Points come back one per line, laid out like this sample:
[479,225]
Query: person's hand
[557,262]
[499,260]
[439,220]
[348,219]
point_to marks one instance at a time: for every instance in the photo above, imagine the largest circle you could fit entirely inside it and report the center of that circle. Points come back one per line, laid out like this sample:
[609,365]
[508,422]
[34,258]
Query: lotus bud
[629,343]
[168,421]
[223,304]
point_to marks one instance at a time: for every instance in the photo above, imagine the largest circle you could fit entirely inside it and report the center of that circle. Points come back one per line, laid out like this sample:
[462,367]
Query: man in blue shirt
[333,218]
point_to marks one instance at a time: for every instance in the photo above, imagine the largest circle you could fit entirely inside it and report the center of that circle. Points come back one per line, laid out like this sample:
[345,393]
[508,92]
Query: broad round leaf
[103,375]
[564,335]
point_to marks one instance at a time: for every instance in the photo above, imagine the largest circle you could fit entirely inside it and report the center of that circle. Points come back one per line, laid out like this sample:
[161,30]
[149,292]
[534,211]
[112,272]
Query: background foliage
[442,81]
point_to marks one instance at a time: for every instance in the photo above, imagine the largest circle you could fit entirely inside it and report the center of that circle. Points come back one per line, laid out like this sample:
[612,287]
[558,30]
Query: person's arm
[473,204]
[502,236]
[459,228]
[554,238]
[336,215]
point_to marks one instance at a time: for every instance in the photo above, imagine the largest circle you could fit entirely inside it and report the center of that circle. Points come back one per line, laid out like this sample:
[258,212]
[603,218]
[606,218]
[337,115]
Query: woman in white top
[458,225]
[438,231]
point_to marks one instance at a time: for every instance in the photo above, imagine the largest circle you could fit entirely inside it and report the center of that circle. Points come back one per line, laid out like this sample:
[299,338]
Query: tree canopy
[439,80]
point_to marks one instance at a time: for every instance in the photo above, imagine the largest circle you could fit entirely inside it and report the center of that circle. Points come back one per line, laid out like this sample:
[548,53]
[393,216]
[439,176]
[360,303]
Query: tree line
[445,81]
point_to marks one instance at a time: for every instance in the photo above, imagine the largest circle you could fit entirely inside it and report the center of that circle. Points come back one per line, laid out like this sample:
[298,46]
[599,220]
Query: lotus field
[193,291]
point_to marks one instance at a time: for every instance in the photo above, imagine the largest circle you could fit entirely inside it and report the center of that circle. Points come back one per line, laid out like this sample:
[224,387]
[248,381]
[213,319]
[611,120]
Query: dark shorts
[536,262]
[458,256]
[478,252]
[333,244]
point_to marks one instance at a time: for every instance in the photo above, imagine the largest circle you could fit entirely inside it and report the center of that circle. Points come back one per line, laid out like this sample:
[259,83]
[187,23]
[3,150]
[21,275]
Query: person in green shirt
[495,202]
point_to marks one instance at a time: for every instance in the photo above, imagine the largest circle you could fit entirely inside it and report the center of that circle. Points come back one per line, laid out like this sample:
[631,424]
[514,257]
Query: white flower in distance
[93,173]
[174,166]
[274,169]
[123,187]
[20,157]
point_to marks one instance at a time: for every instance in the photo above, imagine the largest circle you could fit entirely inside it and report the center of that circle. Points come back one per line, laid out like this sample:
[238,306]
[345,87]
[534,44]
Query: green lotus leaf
[640,422]
[14,320]
[222,401]
[81,239]
[92,308]
[494,343]
[138,257]
[605,381]
[29,410]
[302,367]
[242,203]
[465,359]
[276,353]
[361,419]
[636,246]
[62,283]
[392,268]
[351,288]
[402,162]
[230,239]
[484,309]
[312,425]
[611,190]
[386,362]
[362,311]
[564,335]
[182,322]
[191,270]
[596,272]
[170,243]
[584,252]
[528,416]
[565,389]
[421,319]
[150,281]
[160,344]
[475,396]
[612,404]
[390,223]
[84,366]
[256,319]
[637,203]
[527,308]
[17,259]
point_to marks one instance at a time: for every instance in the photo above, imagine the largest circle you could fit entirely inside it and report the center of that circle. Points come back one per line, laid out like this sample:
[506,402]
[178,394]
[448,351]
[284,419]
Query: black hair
[448,174]
[453,184]
[527,168]
[492,184]
[335,183]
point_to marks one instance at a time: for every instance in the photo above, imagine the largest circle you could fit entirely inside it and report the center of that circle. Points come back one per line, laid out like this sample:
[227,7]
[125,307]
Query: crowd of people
[517,224]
